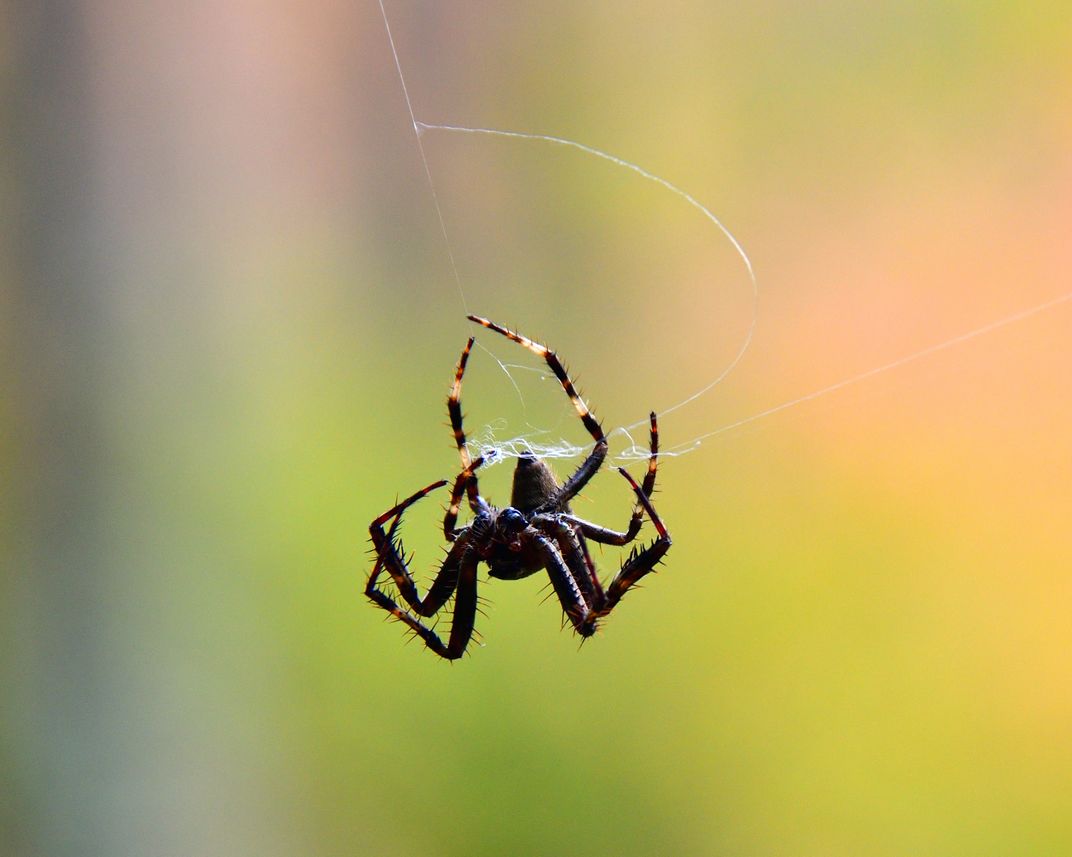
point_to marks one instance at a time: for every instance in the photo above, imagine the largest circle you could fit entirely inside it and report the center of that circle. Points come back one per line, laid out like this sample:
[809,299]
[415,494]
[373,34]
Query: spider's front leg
[465,481]
[454,410]
[456,576]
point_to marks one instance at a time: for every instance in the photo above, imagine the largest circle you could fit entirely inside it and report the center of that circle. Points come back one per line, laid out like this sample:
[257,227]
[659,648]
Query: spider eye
[513,520]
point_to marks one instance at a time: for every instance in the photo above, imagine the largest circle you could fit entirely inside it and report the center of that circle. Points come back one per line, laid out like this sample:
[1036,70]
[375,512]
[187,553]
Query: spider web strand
[424,159]
[677,191]
[1021,315]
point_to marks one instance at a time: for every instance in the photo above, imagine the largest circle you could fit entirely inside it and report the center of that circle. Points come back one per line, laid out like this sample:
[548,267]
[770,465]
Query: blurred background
[229,322]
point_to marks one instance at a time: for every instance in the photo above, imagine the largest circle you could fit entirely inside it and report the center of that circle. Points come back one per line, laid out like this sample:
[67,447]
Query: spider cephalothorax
[537,531]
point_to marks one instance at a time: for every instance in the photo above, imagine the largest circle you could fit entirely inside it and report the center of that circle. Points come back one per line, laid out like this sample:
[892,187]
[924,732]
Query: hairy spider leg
[454,408]
[641,562]
[456,576]
[566,588]
[397,510]
[388,556]
[590,465]
[450,519]
[569,532]
[575,553]
[607,536]
[649,477]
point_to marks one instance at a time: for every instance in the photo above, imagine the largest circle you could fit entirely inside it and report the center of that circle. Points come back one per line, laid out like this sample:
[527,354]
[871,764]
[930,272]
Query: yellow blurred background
[229,324]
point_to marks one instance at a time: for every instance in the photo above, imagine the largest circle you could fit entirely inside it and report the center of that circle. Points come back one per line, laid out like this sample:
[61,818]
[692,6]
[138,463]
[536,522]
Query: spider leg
[590,465]
[640,562]
[572,486]
[456,576]
[569,593]
[555,366]
[465,603]
[464,479]
[606,536]
[389,559]
[454,408]
[575,554]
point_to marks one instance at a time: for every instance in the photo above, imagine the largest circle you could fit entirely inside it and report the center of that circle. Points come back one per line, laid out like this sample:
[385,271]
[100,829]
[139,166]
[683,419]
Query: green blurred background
[229,324]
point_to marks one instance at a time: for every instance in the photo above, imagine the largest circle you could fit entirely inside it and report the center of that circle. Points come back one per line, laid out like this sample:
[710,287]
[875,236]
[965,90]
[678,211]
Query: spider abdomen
[534,484]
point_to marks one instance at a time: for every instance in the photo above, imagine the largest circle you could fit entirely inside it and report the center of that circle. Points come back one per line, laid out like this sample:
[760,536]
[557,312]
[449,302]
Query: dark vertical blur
[159,158]
[60,735]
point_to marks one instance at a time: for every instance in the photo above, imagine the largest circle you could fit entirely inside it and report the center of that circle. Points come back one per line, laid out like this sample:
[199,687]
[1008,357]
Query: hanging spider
[536,531]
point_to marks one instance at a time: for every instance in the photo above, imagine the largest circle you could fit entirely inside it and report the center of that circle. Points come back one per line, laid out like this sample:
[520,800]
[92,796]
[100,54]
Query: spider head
[511,524]
[504,527]
[498,529]
[512,521]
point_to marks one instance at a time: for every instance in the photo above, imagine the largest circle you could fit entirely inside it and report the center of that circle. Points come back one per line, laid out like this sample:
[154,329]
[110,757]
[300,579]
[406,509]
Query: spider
[536,531]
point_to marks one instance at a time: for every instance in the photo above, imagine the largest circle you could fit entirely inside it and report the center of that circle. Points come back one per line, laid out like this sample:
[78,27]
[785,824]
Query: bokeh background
[229,322]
